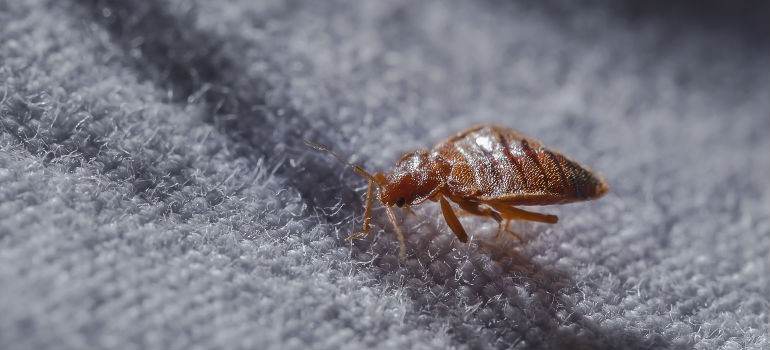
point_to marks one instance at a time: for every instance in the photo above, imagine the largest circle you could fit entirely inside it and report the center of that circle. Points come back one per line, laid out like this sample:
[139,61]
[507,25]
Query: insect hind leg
[512,213]
[509,231]
[476,209]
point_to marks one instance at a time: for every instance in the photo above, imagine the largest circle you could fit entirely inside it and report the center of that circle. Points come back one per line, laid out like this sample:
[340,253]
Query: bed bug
[487,171]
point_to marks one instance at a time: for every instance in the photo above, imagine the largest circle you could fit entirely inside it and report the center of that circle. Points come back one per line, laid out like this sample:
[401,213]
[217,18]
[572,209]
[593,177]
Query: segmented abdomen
[493,162]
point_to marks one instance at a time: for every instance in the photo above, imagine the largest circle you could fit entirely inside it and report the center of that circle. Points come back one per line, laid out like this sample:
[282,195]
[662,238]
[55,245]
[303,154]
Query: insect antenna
[357,168]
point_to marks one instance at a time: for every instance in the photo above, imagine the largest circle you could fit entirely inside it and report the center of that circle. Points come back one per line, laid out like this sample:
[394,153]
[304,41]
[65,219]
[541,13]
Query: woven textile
[156,192]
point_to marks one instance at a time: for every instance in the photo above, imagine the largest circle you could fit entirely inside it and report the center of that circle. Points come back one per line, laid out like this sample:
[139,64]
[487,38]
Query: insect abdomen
[493,162]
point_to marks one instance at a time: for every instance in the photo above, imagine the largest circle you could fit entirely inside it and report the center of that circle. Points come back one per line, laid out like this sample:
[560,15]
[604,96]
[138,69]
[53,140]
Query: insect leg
[508,231]
[452,221]
[475,209]
[399,234]
[510,212]
[367,214]
[507,213]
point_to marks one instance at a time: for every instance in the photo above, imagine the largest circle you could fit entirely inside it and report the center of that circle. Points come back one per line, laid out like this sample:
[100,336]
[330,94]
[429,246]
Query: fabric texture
[156,191]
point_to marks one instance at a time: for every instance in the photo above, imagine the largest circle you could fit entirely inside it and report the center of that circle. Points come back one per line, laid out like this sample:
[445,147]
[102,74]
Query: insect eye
[400,202]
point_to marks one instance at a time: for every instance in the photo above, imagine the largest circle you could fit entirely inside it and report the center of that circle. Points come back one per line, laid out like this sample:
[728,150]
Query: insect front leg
[367,214]
[399,234]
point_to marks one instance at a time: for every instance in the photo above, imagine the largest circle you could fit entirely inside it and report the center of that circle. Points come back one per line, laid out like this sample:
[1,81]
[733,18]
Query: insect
[487,171]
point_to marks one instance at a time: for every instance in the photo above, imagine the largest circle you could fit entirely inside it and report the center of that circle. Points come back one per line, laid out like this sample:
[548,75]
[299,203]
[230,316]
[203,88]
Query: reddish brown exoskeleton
[487,171]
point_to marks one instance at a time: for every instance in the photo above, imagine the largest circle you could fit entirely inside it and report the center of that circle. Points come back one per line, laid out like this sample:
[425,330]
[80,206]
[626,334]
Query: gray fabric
[155,190]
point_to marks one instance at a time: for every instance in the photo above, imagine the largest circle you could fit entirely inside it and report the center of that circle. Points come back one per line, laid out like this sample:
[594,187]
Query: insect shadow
[492,287]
